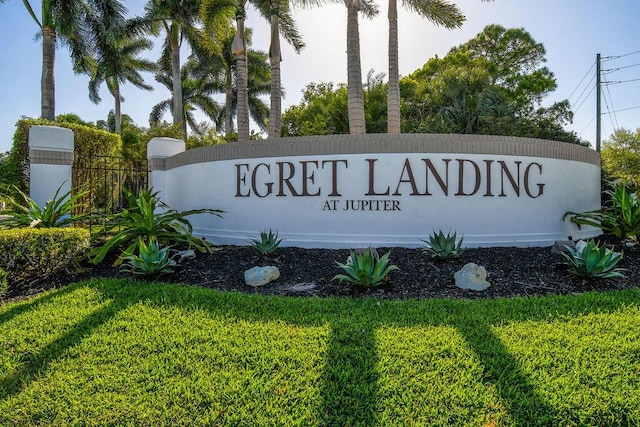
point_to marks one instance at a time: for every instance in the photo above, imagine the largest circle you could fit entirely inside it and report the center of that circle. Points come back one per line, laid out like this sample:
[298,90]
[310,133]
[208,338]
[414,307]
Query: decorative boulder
[472,276]
[260,276]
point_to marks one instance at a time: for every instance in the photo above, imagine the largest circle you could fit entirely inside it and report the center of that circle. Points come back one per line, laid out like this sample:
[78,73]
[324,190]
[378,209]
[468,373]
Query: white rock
[472,276]
[260,276]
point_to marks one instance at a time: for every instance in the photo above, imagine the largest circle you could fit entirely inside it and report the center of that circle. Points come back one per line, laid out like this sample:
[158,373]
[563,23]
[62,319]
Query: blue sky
[572,31]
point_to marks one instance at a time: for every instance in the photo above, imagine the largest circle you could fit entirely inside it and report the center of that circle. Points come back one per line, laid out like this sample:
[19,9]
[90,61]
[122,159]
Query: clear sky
[572,31]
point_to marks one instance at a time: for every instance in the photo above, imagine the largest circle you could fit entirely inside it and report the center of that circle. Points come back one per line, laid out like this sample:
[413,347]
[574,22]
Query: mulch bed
[309,272]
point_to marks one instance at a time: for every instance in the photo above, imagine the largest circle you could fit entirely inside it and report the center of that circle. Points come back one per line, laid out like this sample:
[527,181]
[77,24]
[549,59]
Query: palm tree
[223,69]
[278,13]
[196,93]
[440,12]
[179,19]
[355,97]
[63,21]
[116,59]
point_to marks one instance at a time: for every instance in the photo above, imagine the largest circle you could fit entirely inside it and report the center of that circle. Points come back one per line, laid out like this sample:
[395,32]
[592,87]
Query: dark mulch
[511,272]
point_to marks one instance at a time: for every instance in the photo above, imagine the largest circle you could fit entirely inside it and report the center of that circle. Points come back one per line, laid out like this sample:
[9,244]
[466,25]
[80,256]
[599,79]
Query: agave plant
[57,212]
[443,246]
[267,244]
[148,218]
[365,269]
[151,261]
[621,218]
[592,261]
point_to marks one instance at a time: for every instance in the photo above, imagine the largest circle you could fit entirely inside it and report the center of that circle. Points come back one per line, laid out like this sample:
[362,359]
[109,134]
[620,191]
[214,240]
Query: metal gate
[104,178]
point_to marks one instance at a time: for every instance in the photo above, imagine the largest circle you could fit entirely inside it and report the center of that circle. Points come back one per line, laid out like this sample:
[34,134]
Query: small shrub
[152,261]
[443,246]
[148,218]
[27,213]
[31,255]
[592,261]
[621,218]
[365,269]
[4,284]
[268,243]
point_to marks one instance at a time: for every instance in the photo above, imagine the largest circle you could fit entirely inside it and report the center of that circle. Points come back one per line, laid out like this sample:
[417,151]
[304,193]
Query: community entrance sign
[344,191]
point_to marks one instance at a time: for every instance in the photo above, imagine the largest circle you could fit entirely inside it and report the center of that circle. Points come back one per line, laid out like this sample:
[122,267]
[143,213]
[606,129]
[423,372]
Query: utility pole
[598,112]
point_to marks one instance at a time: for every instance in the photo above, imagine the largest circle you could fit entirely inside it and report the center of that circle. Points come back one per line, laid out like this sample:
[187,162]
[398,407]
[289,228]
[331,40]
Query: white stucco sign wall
[383,190]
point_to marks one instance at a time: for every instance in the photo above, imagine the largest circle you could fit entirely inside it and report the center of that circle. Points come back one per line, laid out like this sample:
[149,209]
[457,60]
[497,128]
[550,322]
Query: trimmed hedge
[31,255]
[87,141]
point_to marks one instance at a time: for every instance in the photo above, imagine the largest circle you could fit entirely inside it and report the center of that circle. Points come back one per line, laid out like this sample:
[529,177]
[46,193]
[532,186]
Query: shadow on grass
[350,377]
[14,382]
[32,304]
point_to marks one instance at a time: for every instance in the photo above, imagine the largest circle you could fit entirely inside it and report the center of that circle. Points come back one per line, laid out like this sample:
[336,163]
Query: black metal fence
[104,179]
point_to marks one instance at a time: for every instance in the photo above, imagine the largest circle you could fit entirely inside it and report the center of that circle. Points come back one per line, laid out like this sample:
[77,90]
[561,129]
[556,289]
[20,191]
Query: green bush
[592,261]
[366,269]
[267,244]
[443,247]
[621,216]
[148,218]
[152,261]
[87,141]
[4,285]
[30,255]
[25,212]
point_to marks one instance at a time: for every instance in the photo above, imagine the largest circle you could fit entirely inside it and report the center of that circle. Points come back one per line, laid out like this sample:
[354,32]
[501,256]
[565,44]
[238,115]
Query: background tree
[221,67]
[117,46]
[179,19]
[355,96]
[196,93]
[278,13]
[61,21]
[440,12]
[323,109]
[621,156]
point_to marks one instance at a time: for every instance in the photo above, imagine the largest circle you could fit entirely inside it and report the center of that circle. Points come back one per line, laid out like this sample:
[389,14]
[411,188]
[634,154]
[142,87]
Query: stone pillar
[158,150]
[51,157]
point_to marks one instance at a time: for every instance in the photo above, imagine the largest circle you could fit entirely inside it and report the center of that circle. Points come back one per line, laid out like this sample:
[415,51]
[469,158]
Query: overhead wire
[585,128]
[623,109]
[611,58]
[581,80]
[585,99]
[613,70]
[612,115]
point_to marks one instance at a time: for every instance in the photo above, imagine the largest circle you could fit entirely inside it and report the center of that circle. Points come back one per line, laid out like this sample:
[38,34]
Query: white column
[51,157]
[158,151]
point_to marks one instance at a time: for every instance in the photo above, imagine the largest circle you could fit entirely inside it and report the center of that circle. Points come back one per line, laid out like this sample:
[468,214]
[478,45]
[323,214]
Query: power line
[611,58]
[581,80]
[623,109]
[585,128]
[585,89]
[613,70]
[621,81]
[584,100]
[612,116]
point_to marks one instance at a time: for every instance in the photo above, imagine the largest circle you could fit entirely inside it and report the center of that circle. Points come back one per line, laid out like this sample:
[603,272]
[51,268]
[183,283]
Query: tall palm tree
[61,21]
[196,92]
[117,47]
[440,12]
[355,97]
[222,68]
[278,13]
[179,19]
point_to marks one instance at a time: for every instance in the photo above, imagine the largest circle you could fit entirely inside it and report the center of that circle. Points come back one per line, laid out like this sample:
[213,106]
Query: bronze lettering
[371,191]
[241,178]
[526,181]
[308,178]
[410,180]
[488,193]
[282,180]
[461,177]
[268,185]
[514,183]
[334,175]
[444,184]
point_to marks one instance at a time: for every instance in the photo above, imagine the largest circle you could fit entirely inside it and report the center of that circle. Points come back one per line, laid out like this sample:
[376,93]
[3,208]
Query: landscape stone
[472,276]
[260,276]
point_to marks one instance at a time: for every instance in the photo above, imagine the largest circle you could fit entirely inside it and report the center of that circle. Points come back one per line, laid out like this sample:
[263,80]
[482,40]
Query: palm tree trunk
[355,97]
[275,58]
[47,83]
[239,51]
[393,91]
[175,73]
[228,106]
[118,115]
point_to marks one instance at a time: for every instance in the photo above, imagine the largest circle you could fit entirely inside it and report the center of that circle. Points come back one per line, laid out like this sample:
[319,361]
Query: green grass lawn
[125,353]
